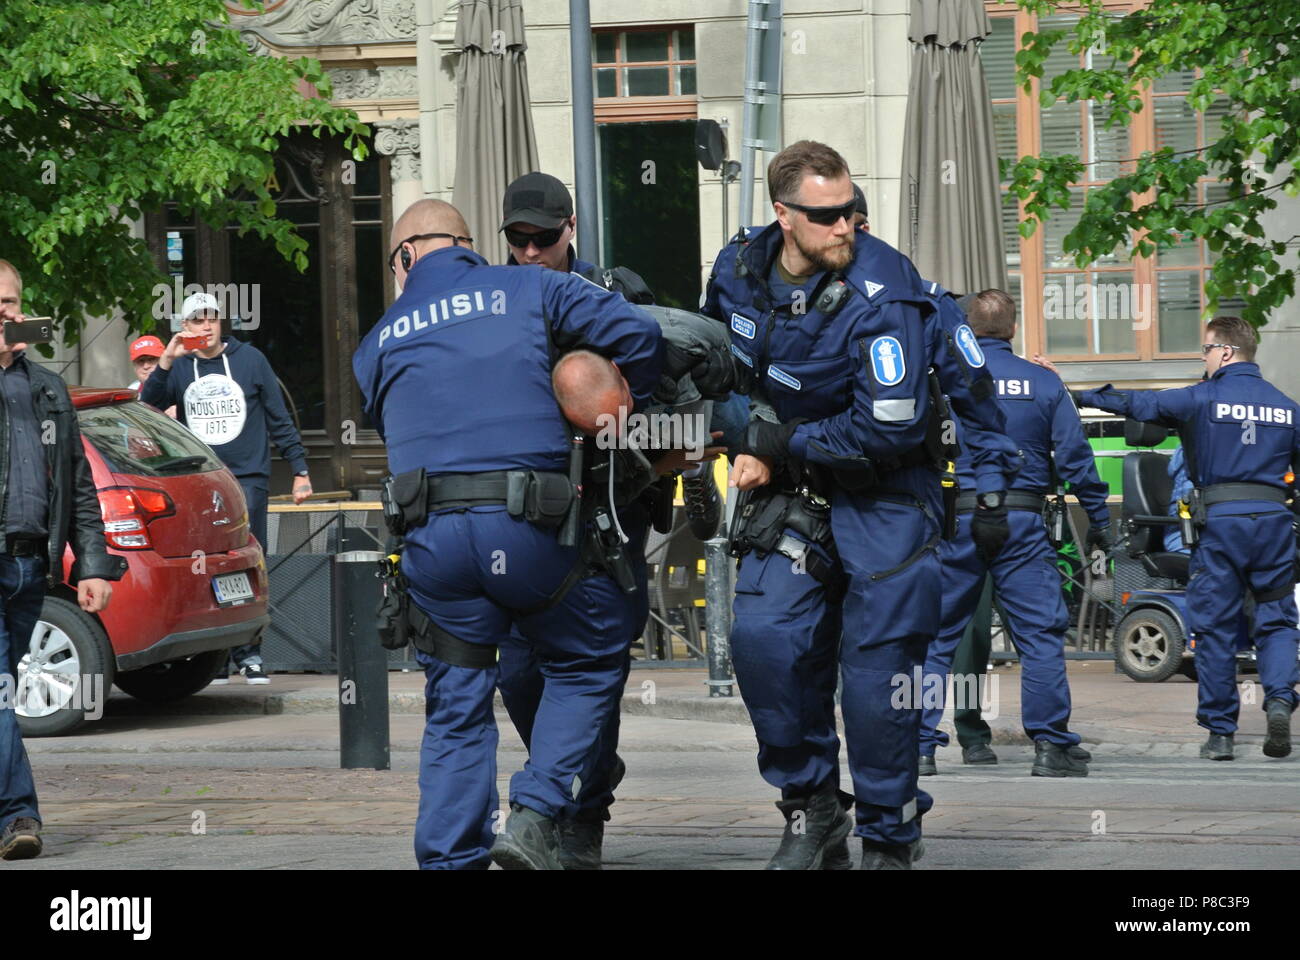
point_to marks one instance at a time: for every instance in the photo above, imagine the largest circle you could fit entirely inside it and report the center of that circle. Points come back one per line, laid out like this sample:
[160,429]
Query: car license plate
[232,588]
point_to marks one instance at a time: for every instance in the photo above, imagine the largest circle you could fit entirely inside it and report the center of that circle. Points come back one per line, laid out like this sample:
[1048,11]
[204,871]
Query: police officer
[1241,441]
[836,338]
[457,377]
[1044,423]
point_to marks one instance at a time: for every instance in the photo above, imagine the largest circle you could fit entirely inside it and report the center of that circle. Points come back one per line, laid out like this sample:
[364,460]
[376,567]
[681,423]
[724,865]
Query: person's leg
[22,593]
[1276,636]
[963,574]
[891,614]
[1215,594]
[458,809]
[971,659]
[454,829]
[256,492]
[520,681]
[1029,590]
[597,794]
[784,646]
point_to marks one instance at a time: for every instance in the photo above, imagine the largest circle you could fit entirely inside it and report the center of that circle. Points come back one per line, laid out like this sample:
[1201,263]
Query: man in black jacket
[47,499]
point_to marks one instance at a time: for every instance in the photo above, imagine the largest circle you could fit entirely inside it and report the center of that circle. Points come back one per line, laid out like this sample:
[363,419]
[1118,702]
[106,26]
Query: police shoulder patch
[743,326]
[969,345]
[888,365]
[742,356]
[873,288]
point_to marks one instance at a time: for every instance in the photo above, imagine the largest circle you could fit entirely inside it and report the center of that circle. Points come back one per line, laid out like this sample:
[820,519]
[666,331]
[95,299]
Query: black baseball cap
[537,199]
[860,199]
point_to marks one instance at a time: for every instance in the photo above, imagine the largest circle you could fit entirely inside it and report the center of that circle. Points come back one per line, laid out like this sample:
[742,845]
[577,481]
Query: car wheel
[1149,645]
[68,646]
[174,680]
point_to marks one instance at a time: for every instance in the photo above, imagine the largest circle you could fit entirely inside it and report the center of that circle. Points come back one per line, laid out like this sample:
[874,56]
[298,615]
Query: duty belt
[1228,492]
[472,488]
[1016,500]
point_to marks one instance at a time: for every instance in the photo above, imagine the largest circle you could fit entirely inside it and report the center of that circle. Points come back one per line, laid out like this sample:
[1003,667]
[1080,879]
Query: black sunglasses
[424,236]
[826,216]
[542,239]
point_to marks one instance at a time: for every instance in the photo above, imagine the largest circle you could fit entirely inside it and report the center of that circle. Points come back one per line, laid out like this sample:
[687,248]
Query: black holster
[404,498]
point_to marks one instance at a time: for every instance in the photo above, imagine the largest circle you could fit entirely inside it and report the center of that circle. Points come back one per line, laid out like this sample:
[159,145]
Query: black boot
[703,504]
[881,856]
[816,832]
[581,842]
[925,767]
[1217,746]
[1054,760]
[1079,753]
[530,841]
[1278,743]
[979,754]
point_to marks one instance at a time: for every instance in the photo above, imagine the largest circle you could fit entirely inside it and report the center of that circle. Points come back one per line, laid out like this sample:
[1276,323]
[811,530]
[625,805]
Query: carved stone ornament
[400,139]
[309,23]
[386,83]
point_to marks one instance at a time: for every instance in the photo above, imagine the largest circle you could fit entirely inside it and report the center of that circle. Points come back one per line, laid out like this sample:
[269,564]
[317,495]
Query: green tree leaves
[110,108]
[1248,59]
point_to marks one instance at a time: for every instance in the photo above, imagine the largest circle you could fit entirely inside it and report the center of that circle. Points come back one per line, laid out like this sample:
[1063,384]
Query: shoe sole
[1206,755]
[932,772]
[1278,743]
[258,682]
[1050,772]
[980,763]
[22,848]
[219,683]
[509,857]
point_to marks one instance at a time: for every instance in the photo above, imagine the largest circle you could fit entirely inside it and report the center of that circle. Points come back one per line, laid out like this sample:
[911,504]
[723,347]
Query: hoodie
[238,428]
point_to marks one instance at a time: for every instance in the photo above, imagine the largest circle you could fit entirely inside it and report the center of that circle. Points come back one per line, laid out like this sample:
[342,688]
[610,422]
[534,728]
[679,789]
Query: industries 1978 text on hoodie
[266,418]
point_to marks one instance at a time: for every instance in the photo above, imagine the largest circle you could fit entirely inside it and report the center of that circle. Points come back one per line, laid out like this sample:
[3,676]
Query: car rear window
[135,438]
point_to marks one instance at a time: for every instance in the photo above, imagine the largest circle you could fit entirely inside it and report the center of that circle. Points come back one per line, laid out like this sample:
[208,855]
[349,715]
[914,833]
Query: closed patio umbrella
[949,221]
[495,142]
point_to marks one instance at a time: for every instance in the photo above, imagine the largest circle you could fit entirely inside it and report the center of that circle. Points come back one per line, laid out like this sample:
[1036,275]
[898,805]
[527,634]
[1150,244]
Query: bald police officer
[457,377]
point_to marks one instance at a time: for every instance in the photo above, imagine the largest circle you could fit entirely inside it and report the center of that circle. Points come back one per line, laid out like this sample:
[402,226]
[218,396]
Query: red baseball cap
[146,347]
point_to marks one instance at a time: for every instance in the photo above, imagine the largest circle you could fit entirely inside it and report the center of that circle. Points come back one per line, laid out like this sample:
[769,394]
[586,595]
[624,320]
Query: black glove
[1099,538]
[766,439]
[990,528]
[715,375]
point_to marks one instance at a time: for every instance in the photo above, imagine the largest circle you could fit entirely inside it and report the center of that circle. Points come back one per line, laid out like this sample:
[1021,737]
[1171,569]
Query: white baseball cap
[199,303]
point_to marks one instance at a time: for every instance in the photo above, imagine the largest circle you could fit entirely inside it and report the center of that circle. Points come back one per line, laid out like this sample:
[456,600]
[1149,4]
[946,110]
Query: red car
[195,586]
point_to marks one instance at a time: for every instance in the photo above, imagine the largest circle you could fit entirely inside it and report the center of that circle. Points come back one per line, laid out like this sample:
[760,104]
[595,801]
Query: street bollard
[717,615]
[363,663]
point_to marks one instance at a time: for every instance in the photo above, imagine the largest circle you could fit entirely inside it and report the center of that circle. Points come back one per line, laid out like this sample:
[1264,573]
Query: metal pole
[426,72]
[363,663]
[749,125]
[717,615]
[584,130]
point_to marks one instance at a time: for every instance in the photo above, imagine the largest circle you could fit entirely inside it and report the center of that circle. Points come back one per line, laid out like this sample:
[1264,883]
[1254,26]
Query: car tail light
[127,512]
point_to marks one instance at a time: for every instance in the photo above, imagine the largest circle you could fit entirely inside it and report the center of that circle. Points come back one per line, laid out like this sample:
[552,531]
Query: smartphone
[31,330]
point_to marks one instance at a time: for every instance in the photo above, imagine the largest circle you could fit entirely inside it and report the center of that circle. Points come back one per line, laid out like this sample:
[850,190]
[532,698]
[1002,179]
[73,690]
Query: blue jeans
[255,494]
[22,592]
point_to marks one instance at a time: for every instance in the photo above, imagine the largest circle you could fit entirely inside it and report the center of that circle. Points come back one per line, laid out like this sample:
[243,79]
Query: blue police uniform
[857,371]
[1044,423]
[456,376]
[1236,428]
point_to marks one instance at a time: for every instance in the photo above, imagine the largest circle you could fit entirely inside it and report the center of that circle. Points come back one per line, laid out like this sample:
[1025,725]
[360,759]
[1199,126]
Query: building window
[1119,307]
[644,74]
